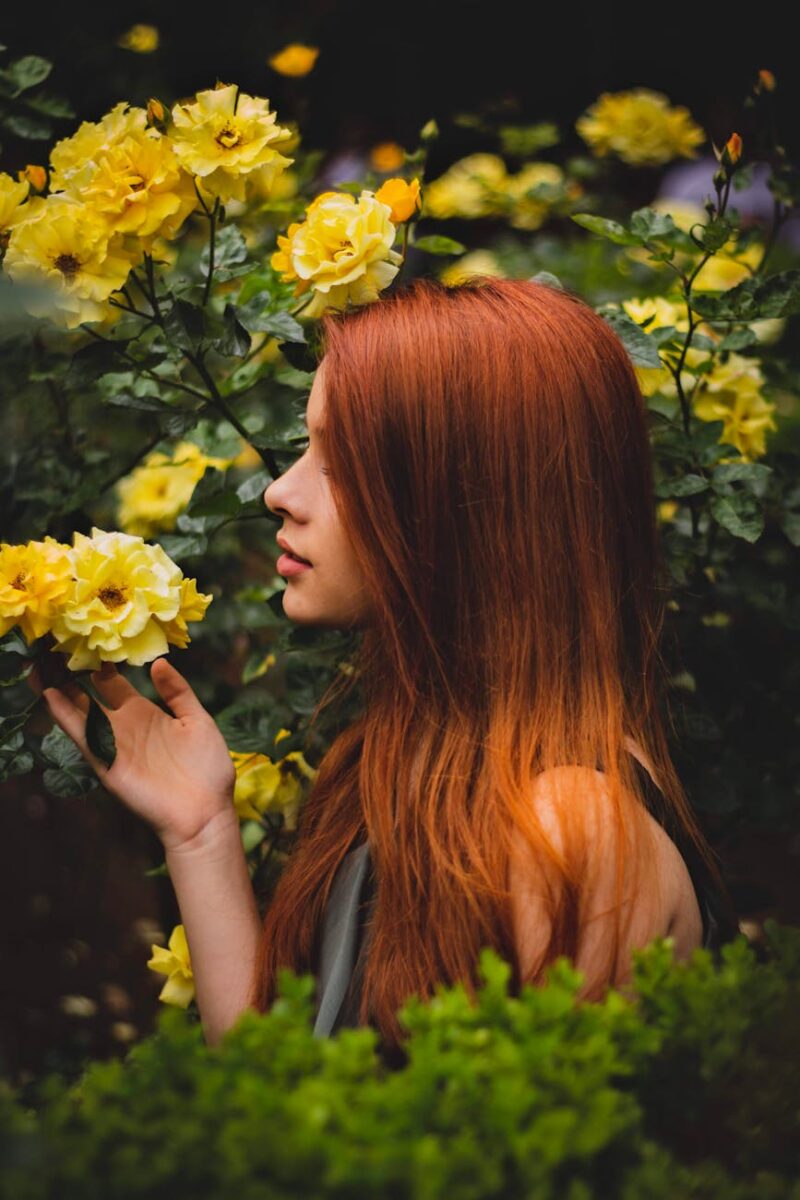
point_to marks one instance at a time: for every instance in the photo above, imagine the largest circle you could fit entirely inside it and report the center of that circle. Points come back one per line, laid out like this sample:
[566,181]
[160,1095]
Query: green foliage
[687,1087]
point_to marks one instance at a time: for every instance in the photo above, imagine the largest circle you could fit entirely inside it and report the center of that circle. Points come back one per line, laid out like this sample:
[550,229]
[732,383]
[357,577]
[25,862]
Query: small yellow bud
[35,175]
[429,131]
[141,39]
[732,151]
[294,59]
[402,197]
[766,81]
[155,112]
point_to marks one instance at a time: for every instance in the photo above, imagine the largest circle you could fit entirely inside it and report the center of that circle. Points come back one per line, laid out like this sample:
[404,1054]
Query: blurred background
[78,911]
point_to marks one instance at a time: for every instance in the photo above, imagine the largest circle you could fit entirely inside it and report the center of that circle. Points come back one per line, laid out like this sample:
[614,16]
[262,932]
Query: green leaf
[740,339]
[715,235]
[185,324]
[91,362]
[301,358]
[186,545]
[524,141]
[641,347]
[436,243]
[650,225]
[603,227]
[99,734]
[235,341]
[753,299]
[754,476]
[740,514]
[254,486]
[230,249]
[547,279]
[684,485]
[280,324]
[24,125]
[51,106]
[69,774]
[26,72]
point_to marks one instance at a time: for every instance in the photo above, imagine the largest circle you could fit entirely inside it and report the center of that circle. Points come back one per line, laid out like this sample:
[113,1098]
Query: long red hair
[490,462]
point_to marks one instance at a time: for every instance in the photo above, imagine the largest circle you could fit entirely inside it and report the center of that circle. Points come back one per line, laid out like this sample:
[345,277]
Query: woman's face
[330,592]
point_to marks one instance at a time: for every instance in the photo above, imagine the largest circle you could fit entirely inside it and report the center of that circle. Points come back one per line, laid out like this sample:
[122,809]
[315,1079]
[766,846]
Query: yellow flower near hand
[731,393]
[342,251]
[91,140]
[640,127]
[13,195]
[478,262]
[176,963]
[124,597]
[265,785]
[402,197]
[137,185]
[34,578]
[154,494]
[295,59]
[141,39]
[223,135]
[65,253]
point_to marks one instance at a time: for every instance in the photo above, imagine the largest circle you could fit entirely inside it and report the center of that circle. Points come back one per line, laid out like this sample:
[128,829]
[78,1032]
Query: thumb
[174,690]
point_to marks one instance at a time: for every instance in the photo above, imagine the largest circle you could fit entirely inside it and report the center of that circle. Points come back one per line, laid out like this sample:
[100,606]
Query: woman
[476,498]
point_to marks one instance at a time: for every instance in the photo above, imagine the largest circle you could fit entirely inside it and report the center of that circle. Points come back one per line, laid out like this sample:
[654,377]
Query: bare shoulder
[664,903]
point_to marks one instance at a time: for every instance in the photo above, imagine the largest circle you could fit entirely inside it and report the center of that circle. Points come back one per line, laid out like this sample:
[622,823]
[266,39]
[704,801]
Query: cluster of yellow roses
[121,187]
[640,127]
[108,597]
[481,186]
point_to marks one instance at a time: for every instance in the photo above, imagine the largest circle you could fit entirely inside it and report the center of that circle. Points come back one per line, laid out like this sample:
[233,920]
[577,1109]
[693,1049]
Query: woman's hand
[174,771]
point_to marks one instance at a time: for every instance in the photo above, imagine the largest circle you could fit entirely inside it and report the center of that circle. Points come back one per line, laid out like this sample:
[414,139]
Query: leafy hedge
[686,1088]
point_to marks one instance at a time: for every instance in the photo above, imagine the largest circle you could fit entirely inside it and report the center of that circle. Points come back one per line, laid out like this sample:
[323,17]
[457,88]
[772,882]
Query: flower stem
[212,233]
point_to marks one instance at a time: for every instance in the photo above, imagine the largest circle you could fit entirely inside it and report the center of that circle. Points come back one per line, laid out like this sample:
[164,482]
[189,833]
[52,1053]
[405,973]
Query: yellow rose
[731,393]
[640,127]
[401,196]
[137,185]
[223,135]
[660,312]
[177,964]
[124,596]
[90,140]
[193,605]
[294,59]
[33,581]
[342,251]
[528,212]
[478,262]
[386,157]
[65,253]
[727,268]
[472,187]
[142,39]
[156,492]
[12,204]
[264,785]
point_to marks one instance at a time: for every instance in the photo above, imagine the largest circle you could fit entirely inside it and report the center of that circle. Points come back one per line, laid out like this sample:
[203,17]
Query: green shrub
[688,1088]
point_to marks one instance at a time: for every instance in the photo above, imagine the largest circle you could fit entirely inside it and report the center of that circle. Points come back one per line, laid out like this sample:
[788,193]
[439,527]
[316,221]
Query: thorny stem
[173,383]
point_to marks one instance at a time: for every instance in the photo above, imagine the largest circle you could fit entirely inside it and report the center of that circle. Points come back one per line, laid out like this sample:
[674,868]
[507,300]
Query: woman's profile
[476,500]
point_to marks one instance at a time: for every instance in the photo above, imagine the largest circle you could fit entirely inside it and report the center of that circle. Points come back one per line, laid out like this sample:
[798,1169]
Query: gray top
[346,928]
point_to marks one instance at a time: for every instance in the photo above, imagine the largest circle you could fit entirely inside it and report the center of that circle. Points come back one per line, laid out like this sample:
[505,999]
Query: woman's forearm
[221,920]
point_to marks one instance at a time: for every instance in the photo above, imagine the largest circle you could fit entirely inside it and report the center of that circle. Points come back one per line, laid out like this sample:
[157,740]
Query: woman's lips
[287,564]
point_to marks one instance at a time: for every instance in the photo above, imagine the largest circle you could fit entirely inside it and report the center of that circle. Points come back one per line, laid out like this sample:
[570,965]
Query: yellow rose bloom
[528,212]
[401,196]
[478,262]
[265,785]
[177,964]
[123,597]
[386,157]
[472,187]
[731,393]
[342,251]
[294,59]
[661,312]
[640,127]
[137,185]
[155,493]
[90,140]
[141,39]
[223,135]
[65,252]
[13,195]
[193,605]
[34,578]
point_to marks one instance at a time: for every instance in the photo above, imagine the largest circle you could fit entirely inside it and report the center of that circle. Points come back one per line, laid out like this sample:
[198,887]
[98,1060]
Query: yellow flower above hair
[640,127]
[141,39]
[472,187]
[125,599]
[66,253]
[478,262]
[341,252]
[156,492]
[92,139]
[175,962]
[294,59]
[223,135]
[34,578]
[731,393]
[402,197]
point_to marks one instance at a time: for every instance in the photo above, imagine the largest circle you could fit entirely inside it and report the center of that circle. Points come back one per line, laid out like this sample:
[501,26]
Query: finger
[174,690]
[112,686]
[72,720]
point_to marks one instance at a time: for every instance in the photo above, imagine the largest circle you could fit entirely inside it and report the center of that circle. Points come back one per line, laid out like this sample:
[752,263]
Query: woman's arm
[220,916]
